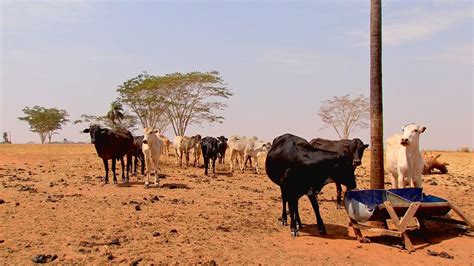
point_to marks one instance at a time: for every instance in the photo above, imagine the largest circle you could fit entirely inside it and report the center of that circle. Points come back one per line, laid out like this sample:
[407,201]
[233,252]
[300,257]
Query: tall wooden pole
[376,112]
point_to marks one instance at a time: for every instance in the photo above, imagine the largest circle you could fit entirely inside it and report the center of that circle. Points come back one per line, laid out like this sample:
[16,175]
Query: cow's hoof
[284,222]
[294,233]
[322,231]
[338,207]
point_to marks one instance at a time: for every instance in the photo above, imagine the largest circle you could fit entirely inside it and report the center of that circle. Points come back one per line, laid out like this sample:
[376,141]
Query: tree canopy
[44,121]
[181,99]
[345,114]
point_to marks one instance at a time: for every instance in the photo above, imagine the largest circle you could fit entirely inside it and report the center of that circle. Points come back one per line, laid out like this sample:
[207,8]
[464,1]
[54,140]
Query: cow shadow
[334,231]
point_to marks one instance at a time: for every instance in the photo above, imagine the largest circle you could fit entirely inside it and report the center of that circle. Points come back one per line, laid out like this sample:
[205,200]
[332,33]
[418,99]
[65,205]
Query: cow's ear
[423,129]
[87,130]
[366,146]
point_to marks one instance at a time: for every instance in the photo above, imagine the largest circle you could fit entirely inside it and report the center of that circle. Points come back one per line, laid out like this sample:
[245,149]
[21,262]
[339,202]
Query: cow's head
[357,148]
[95,131]
[147,134]
[345,173]
[411,133]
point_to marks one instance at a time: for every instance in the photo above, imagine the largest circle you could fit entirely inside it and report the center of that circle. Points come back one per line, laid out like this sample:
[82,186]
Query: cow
[403,157]
[183,146]
[112,145]
[210,151]
[221,147]
[152,148]
[166,144]
[197,152]
[353,148]
[300,169]
[137,154]
[242,147]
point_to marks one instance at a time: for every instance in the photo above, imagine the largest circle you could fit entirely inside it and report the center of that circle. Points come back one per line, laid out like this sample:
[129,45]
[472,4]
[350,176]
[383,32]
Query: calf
[210,151]
[137,154]
[299,168]
[152,148]
[354,149]
[112,145]
[404,160]
[166,144]
[221,148]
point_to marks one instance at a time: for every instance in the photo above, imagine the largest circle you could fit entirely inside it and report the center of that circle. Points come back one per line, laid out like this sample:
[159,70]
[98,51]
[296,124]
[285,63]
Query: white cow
[243,147]
[184,146]
[152,148]
[404,160]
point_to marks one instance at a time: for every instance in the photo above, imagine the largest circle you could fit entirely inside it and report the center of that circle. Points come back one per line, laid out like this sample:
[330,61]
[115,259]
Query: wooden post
[376,114]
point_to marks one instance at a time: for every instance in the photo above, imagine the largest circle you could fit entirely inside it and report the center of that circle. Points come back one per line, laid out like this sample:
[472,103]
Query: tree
[190,98]
[345,114]
[376,111]
[115,114]
[175,99]
[44,121]
[142,95]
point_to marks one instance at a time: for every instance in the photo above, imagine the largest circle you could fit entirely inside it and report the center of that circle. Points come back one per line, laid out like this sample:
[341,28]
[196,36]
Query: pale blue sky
[280,58]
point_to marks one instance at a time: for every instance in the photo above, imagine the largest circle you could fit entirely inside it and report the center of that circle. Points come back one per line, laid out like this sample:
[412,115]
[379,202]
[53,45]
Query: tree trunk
[42,137]
[376,114]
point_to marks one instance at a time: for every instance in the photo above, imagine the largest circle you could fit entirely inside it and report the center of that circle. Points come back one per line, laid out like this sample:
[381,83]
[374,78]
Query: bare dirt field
[53,203]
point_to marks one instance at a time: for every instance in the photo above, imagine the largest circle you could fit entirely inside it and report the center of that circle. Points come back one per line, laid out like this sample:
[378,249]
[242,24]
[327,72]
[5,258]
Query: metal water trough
[399,209]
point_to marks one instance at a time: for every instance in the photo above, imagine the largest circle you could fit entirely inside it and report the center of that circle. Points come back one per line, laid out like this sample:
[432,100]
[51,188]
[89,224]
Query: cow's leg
[256,165]
[122,163]
[339,195]
[113,170]
[401,179]
[187,158]
[134,167]
[314,203]
[394,179]
[206,165]
[142,162]
[214,165]
[148,170]
[106,167]
[156,168]
[417,174]
[293,206]
[284,217]
[233,157]
[242,158]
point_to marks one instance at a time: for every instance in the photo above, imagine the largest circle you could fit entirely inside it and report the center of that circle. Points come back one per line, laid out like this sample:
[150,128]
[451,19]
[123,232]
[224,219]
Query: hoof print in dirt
[156,234]
[174,231]
[44,258]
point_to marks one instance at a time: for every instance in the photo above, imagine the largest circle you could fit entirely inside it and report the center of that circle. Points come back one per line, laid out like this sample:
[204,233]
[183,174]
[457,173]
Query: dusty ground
[54,203]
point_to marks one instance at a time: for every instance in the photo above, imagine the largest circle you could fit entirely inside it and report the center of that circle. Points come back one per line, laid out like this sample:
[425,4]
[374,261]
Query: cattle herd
[297,166]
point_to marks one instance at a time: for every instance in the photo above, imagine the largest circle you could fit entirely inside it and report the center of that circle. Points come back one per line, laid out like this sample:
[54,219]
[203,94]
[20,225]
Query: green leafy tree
[115,114]
[192,98]
[44,121]
[345,114]
[143,96]
[175,99]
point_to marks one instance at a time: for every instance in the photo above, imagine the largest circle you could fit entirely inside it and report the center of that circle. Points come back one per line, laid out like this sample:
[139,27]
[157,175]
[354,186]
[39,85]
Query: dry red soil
[54,203]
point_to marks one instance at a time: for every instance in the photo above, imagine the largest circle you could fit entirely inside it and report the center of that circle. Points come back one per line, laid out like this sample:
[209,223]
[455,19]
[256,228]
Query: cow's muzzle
[404,142]
[356,163]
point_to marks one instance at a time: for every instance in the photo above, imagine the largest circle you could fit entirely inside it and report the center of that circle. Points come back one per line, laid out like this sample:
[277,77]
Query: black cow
[137,154]
[221,147]
[354,149]
[111,144]
[299,168]
[210,151]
